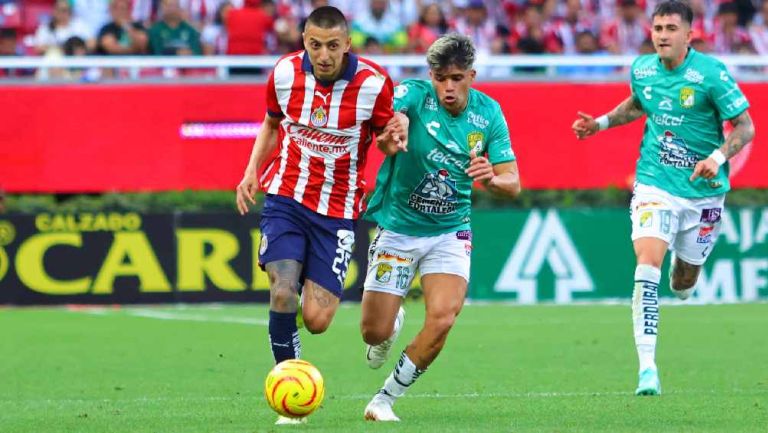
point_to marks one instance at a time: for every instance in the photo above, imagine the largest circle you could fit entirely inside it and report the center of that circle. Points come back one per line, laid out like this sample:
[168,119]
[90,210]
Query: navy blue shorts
[290,231]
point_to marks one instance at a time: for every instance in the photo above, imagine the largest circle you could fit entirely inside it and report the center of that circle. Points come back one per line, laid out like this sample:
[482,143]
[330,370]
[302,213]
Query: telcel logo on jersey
[667,119]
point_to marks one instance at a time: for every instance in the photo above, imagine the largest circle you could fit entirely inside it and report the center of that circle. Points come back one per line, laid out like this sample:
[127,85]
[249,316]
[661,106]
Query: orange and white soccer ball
[294,388]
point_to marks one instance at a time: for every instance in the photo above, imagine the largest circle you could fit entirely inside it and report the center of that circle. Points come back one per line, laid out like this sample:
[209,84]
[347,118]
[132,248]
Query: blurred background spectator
[758,32]
[382,23]
[122,36]
[729,34]
[214,35]
[269,27]
[61,26]
[172,35]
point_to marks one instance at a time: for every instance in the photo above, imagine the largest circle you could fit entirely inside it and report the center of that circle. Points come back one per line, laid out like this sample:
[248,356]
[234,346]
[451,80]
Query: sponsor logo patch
[705,234]
[711,215]
[464,235]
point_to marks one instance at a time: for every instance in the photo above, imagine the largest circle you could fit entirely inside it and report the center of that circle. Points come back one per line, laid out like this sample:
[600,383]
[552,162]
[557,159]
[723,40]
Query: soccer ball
[294,388]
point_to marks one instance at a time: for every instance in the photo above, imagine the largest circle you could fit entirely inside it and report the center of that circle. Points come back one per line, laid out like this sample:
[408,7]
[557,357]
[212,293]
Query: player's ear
[472,74]
[348,44]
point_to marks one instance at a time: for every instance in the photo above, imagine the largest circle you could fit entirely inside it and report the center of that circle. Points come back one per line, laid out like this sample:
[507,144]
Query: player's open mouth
[450,99]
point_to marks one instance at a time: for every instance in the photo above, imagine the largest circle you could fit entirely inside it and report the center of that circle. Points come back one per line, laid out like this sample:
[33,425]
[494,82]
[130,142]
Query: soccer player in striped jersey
[422,203]
[682,172]
[324,106]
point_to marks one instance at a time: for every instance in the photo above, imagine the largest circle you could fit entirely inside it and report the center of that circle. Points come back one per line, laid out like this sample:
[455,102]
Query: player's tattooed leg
[283,284]
[684,275]
[319,307]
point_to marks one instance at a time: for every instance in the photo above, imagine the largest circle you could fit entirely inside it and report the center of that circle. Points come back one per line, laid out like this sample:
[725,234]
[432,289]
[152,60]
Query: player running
[422,206]
[682,172]
[323,106]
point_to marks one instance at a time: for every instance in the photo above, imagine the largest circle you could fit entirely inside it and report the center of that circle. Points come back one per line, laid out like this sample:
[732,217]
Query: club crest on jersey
[475,141]
[687,97]
[383,272]
[319,117]
[646,219]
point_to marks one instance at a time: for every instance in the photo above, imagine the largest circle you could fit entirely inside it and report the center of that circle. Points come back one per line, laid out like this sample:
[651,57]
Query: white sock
[645,314]
[402,377]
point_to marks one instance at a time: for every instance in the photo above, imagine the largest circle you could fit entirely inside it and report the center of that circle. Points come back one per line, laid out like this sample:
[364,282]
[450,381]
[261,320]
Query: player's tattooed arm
[627,111]
[743,132]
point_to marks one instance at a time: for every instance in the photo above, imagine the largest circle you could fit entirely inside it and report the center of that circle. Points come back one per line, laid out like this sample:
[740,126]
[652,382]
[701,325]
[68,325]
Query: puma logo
[324,97]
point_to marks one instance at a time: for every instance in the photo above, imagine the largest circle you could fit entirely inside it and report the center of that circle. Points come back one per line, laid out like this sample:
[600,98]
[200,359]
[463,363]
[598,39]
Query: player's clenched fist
[480,168]
[395,136]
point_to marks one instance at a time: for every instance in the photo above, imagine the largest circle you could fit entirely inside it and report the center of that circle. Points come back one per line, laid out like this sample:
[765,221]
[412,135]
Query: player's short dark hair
[674,7]
[327,17]
[452,49]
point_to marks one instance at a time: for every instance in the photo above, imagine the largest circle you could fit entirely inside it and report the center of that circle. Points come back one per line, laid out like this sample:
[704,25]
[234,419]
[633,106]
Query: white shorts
[394,259]
[689,226]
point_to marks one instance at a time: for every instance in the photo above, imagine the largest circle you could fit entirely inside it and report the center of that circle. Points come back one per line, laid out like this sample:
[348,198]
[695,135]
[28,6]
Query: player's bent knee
[317,325]
[283,299]
[442,324]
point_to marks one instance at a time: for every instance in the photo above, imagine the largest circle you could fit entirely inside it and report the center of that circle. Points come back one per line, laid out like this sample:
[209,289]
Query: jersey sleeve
[406,95]
[382,108]
[499,143]
[273,107]
[726,95]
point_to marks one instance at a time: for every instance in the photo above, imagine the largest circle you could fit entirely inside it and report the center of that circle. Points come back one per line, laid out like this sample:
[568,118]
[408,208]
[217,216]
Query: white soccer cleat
[284,420]
[377,355]
[683,294]
[380,409]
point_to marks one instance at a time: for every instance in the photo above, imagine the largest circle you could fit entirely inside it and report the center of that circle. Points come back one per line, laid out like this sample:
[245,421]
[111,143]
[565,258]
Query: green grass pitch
[504,369]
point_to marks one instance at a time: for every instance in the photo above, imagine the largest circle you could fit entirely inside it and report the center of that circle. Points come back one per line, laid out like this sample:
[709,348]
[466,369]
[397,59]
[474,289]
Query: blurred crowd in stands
[254,27]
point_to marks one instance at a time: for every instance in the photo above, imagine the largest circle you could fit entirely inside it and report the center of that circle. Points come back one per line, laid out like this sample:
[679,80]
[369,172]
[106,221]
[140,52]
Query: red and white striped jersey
[325,132]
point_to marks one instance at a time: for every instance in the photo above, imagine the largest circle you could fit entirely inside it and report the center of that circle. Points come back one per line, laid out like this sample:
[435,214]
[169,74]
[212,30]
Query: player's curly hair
[452,49]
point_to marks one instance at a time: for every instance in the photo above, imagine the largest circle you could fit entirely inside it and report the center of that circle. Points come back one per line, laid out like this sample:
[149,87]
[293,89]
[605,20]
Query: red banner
[87,138]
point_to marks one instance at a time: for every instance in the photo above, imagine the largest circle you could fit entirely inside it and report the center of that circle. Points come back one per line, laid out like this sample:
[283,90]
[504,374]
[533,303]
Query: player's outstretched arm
[627,111]
[394,137]
[502,179]
[743,132]
[265,143]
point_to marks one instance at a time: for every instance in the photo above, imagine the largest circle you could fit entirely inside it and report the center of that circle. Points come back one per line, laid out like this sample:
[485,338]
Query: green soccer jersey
[424,191]
[686,108]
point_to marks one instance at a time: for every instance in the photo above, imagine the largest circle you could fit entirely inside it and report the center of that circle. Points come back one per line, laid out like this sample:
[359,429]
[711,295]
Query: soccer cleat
[649,383]
[380,409]
[377,355]
[284,420]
